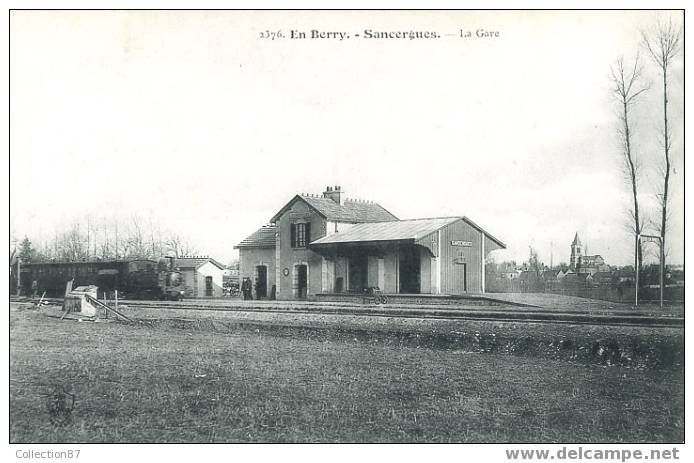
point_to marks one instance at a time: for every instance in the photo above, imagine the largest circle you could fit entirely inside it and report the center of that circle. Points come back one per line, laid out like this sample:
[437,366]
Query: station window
[301,234]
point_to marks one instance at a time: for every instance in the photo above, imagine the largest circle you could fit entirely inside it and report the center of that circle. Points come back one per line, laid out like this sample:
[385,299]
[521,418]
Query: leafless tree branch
[627,87]
[663,45]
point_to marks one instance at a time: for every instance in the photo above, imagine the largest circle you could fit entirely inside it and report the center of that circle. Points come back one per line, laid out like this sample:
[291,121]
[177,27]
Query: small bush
[59,404]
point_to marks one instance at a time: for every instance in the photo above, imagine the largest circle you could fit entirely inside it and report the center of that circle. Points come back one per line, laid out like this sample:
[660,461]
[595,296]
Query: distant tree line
[106,239]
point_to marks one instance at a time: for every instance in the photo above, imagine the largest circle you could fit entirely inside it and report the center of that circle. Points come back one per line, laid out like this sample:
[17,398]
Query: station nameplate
[466,244]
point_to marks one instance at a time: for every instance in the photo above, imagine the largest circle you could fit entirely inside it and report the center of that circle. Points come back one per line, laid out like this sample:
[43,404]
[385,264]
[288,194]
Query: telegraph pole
[636,270]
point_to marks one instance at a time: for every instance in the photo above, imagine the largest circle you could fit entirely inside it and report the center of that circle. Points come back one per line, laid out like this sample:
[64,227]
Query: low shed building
[329,244]
[201,276]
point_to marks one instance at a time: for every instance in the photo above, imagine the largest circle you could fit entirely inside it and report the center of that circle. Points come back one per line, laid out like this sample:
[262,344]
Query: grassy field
[184,381]
[563,302]
[630,346]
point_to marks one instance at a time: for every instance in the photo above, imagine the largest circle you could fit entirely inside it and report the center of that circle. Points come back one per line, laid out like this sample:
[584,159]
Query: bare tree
[174,244]
[115,245]
[189,248]
[89,233]
[627,88]
[178,245]
[663,45]
[155,247]
[104,247]
[72,245]
[136,239]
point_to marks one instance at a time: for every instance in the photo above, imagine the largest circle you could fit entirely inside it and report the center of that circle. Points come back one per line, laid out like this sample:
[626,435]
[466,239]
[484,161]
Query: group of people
[249,289]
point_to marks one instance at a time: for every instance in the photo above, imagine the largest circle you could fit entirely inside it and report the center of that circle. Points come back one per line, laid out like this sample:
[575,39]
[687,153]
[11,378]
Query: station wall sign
[465,244]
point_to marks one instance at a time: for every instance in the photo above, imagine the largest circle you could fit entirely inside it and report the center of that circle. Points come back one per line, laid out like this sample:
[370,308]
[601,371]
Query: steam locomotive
[133,278]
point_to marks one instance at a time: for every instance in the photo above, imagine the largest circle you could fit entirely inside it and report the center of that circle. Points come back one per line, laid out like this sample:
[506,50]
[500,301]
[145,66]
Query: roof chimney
[335,194]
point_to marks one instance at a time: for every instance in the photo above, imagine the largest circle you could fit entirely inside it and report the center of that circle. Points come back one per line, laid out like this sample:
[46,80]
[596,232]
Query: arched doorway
[300,281]
[261,281]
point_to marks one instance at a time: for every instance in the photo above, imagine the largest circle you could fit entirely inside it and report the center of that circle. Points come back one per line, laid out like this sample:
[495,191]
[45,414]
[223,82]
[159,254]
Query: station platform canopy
[401,230]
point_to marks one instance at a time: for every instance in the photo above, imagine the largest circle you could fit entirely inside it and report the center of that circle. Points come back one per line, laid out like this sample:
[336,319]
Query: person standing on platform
[247,287]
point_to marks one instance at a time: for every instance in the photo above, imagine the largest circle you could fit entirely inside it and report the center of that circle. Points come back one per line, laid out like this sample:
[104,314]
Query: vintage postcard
[403,226]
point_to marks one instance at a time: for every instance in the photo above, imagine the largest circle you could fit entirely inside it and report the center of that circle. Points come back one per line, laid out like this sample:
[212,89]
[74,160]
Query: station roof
[351,211]
[399,230]
[264,237]
[195,262]
[387,231]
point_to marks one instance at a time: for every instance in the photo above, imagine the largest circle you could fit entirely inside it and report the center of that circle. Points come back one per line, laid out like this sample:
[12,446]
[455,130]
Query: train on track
[132,278]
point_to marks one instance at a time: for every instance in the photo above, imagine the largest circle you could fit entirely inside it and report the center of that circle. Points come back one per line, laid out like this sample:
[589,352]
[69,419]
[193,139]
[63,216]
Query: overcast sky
[192,119]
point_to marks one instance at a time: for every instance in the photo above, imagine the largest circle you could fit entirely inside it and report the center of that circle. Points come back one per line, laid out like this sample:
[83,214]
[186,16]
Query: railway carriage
[133,278]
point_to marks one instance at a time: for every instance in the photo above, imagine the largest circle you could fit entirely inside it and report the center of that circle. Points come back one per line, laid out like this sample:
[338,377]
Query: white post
[381,274]
[438,262]
[482,263]
[116,299]
[432,271]
[278,264]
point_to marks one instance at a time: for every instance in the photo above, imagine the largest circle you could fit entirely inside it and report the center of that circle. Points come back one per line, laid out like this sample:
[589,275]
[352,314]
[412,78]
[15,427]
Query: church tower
[576,252]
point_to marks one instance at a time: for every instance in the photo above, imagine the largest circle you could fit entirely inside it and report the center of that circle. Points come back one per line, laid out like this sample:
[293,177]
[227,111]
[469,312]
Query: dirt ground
[185,379]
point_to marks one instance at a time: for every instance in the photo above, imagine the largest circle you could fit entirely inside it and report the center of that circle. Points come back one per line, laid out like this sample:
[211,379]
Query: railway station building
[328,244]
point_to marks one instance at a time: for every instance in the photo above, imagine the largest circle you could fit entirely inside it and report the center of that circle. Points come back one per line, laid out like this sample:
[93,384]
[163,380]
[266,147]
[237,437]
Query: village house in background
[585,276]
[201,276]
[329,244]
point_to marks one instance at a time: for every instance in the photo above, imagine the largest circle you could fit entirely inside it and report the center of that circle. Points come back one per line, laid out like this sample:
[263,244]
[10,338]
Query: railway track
[497,313]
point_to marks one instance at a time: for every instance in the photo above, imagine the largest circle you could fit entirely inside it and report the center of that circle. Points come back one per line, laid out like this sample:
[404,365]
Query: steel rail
[438,312]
